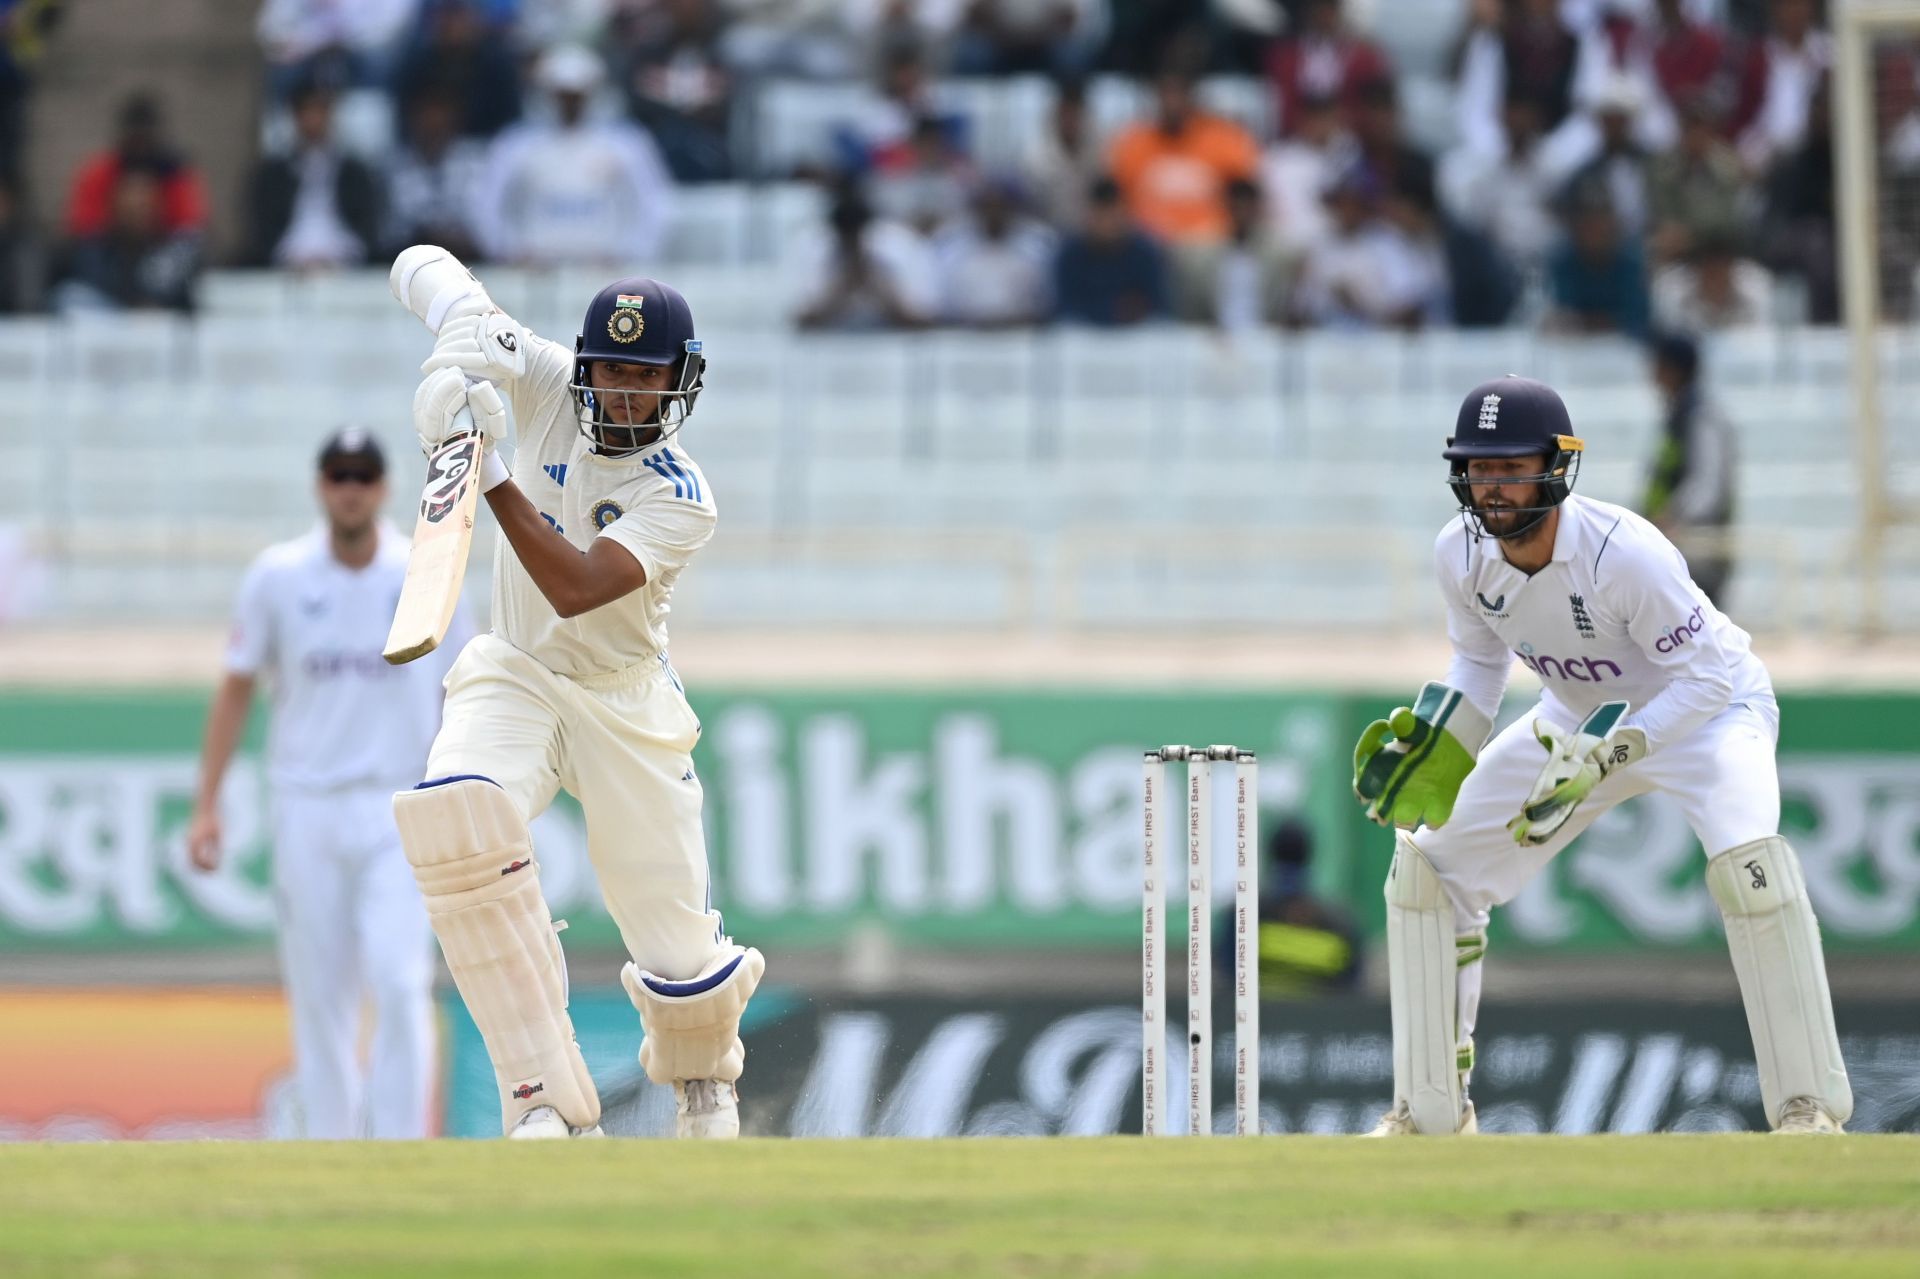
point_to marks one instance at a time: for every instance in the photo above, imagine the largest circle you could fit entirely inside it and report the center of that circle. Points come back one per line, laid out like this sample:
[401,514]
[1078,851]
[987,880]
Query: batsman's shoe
[1398,1122]
[543,1123]
[1805,1115]
[706,1109]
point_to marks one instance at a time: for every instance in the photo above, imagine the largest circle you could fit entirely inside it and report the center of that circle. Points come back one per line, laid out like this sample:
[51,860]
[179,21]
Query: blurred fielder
[602,511]
[1645,686]
[347,729]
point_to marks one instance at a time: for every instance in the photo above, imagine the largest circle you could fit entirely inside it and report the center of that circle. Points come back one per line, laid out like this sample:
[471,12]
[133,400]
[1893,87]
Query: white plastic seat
[245,293]
[710,225]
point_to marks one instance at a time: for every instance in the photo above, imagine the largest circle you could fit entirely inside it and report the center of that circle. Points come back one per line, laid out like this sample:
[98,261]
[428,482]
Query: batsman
[602,510]
[1645,686]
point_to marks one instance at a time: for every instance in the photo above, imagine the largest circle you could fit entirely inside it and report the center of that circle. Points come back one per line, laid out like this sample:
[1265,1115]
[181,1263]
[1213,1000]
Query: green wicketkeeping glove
[1408,767]
[1576,763]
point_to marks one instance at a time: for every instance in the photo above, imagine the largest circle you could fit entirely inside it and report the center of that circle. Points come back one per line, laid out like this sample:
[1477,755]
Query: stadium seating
[1161,475]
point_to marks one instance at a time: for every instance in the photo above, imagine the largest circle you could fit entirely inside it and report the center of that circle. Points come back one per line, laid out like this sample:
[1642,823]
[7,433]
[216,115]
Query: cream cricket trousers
[621,744]
[1722,775]
[352,924]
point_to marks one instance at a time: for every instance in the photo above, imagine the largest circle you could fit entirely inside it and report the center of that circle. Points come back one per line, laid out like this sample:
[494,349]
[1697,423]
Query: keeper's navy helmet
[1514,417]
[637,321]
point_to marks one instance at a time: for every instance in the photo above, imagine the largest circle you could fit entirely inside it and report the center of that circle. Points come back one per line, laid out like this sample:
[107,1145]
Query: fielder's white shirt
[1614,616]
[314,628]
[597,191]
[655,503]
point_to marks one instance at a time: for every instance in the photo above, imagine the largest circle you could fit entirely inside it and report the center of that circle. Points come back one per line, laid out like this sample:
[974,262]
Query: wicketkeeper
[1645,686]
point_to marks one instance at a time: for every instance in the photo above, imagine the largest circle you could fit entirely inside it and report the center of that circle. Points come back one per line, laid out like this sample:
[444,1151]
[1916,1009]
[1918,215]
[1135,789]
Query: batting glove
[490,346]
[441,398]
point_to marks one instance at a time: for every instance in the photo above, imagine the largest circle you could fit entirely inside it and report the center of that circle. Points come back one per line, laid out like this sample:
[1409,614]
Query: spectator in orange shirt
[1174,169]
[142,147]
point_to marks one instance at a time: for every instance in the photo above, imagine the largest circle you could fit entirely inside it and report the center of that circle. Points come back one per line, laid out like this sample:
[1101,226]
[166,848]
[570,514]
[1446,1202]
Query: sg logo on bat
[447,472]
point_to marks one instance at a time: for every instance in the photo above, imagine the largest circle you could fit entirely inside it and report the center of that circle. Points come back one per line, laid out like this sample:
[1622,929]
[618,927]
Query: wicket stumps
[1246,947]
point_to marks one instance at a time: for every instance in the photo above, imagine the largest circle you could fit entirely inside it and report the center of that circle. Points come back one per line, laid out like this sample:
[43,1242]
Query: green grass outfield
[1696,1205]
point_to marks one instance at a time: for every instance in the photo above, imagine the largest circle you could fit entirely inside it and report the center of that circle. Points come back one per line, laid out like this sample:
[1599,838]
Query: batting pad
[693,1027]
[474,862]
[1423,964]
[1775,942]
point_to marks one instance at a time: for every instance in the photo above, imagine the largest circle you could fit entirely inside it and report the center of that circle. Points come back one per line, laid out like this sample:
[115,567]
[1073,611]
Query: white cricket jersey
[314,629]
[1613,616]
[655,503]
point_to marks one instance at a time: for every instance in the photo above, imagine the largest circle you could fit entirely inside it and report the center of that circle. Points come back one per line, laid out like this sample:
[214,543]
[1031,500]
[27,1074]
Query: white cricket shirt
[1613,616]
[655,503]
[313,629]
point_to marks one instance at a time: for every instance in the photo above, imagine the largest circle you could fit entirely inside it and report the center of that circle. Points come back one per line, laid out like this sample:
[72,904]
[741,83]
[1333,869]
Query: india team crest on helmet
[1490,413]
[626,324]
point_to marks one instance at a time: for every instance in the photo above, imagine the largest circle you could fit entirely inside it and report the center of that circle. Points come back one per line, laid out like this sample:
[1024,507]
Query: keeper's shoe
[1398,1122]
[543,1123]
[707,1109]
[1804,1115]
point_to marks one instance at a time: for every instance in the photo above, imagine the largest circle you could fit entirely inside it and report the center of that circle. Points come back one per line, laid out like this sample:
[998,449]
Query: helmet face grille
[1556,483]
[633,426]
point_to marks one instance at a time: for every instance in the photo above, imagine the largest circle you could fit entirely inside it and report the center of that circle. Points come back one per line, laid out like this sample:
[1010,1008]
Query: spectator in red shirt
[1326,60]
[134,263]
[1689,58]
[142,147]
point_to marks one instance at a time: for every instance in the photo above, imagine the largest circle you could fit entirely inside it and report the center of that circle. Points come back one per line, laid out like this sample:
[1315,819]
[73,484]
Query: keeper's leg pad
[1775,943]
[473,859]
[692,1027]
[1423,965]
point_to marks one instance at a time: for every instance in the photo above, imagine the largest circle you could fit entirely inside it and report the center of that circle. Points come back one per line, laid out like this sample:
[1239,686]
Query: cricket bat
[442,536]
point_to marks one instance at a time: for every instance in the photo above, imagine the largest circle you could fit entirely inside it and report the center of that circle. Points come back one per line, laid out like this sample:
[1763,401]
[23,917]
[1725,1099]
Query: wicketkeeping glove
[1408,767]
[1576,763]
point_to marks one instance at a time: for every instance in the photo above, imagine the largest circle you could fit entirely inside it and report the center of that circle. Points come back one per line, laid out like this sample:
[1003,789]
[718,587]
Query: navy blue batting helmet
[1514,417]
[639,321]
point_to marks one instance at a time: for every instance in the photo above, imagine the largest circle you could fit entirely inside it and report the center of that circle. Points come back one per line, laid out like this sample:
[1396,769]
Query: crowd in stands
[1623,166]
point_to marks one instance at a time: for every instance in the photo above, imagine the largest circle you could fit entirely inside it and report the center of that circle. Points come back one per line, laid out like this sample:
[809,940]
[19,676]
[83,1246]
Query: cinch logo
[1581,670]
[1673,639]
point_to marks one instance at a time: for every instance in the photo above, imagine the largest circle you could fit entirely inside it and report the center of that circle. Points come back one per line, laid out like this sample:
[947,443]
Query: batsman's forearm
[555,565]
[226,720]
